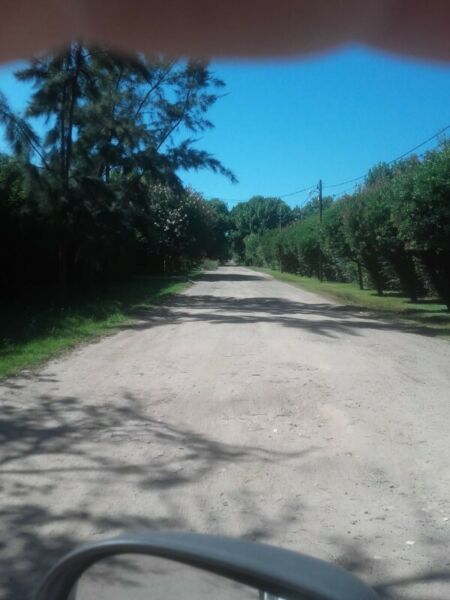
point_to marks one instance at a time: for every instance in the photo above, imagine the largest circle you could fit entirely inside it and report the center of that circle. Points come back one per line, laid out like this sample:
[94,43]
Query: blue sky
[284,125]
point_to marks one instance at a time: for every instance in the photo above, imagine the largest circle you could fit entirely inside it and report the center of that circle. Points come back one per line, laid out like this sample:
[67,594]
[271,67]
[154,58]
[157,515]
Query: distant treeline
[393,233]
[96,196]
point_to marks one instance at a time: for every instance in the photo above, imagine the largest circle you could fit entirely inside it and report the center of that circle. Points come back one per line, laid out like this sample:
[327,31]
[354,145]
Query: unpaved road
[246,407]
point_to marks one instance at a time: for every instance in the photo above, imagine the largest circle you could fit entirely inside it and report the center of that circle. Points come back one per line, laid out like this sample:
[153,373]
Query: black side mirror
[271,571]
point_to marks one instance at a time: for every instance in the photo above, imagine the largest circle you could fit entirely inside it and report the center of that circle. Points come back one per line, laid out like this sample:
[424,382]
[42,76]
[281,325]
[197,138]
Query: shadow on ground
[55,441]
[319,318]
[231,277]
[354,557]
[40,442]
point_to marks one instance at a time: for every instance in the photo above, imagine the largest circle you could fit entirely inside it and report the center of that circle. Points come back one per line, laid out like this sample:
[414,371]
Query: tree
[58,83]
[361,237]
[422,215]
[117,126]
[390,247]
[12,198]
[312,207]
[141,114]
[257,215]
[219,238]
[18,133]
[338,245]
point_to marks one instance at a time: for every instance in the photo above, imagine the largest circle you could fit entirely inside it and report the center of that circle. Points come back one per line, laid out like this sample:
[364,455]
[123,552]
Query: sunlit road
[246,407]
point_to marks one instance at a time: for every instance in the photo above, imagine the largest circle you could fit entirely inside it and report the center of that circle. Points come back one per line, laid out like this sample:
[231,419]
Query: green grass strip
[31,335]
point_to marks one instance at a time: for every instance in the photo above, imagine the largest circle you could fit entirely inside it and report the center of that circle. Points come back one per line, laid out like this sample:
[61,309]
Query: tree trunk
[438,268]
[403,265]
[62,272]
[360,276]
[379,286]
[73,98]
[376,278]
[374,269]
[62,129]
[67,119]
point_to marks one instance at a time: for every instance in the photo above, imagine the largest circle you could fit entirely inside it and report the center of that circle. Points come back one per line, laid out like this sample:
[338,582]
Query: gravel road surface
[247,407]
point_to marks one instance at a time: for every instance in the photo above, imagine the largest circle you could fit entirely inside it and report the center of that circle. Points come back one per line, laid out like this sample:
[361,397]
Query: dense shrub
[393,233]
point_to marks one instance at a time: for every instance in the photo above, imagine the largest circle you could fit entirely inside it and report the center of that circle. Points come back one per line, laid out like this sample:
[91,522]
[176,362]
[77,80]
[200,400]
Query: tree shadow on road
[353,556]
[55,444]
[323,319]
[231,277]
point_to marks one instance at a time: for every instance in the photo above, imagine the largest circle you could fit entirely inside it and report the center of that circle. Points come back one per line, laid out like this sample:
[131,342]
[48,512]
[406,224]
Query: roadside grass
[428,316]
[30,335]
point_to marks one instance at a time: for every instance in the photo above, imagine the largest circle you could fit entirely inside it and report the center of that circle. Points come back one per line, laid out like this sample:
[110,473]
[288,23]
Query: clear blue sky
[284,125]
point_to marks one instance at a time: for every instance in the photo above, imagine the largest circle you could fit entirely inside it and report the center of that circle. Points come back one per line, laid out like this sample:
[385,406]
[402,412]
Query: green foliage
[18,132]
[260,214]
[255,217]
[219,231]
[421,207]
[253,250]
[32,334]
[312,207]
[393,233]
[98,198]
[360,218]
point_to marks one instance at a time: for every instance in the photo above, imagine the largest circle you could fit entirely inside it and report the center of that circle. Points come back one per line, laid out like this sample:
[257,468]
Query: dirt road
[246,407]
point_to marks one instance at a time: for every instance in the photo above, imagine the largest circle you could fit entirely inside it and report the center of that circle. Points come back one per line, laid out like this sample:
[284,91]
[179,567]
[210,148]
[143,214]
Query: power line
[310,187]
[333,185]
[440,132]
[360,177]
[352,187]
[355,179]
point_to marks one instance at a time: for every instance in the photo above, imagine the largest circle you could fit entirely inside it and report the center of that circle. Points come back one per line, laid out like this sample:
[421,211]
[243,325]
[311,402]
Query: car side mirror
[194,566]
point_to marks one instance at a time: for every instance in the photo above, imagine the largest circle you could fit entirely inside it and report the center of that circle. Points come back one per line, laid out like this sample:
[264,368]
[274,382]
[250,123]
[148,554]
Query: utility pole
[319,188]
